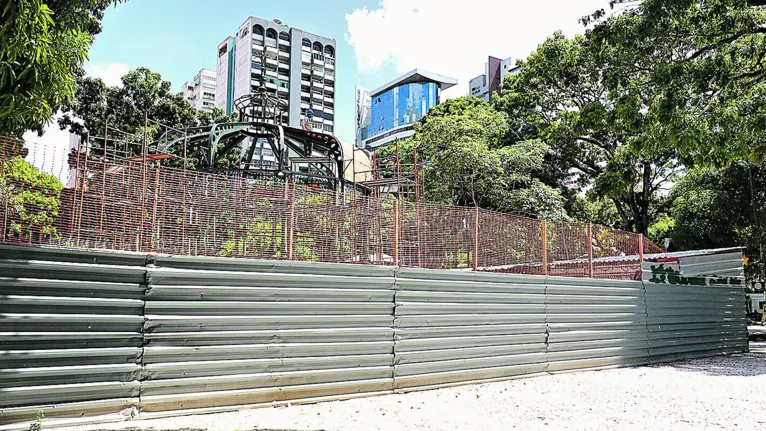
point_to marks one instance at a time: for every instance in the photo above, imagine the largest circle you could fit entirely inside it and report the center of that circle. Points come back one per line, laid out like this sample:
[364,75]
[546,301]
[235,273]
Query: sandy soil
[703,394]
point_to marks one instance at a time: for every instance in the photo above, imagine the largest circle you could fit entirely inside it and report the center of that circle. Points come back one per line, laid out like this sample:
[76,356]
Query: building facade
[362,114]
[396,106]
[201,91]
[495,71]
[299,69]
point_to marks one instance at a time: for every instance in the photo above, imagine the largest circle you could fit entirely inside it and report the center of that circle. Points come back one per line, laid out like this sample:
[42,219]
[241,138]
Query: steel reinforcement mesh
[65,199]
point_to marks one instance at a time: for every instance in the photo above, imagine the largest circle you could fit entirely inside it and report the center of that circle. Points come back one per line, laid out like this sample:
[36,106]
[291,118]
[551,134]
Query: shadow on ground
[740,365]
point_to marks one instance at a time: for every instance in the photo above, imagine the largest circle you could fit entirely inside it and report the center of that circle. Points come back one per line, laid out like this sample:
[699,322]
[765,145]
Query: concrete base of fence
[92,337]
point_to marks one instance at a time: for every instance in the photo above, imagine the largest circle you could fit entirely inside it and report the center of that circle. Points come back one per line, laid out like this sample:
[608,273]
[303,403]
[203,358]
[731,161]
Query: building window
[329,51]
[317,46]
[258,30]
[271,33]
[284,36]
[328,128]
[318,57]
[306,42]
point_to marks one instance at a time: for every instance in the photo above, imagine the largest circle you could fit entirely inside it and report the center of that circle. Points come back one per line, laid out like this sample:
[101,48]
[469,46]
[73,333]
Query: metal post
[143,183]
[590,250]
[155,232]
[185,180]
[82,191]
[396,232]
[103,184]
[640,249]
[476,239]
[291,221]
[545,246]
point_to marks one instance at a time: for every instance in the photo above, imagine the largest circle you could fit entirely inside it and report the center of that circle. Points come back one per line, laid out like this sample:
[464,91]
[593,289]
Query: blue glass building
[396,106]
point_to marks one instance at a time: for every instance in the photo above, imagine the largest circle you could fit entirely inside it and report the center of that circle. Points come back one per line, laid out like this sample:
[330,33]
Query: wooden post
[640,252]
[476,239]
[545,246]
[590,250]
[396,232]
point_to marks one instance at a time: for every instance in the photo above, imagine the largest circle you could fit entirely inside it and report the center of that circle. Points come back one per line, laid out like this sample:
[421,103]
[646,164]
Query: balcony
[306,48]
[272,61]
[272,50]
[271,85]
[305,82]
[329,110]
[305,105]
[284,78]
[283,89]
[330,63]
[284,42]
[329,99]
[271,73]
[305,94]
[316,96]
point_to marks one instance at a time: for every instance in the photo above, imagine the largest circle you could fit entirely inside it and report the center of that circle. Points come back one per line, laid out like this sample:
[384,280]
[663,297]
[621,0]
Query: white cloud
[110,73]
[455,38]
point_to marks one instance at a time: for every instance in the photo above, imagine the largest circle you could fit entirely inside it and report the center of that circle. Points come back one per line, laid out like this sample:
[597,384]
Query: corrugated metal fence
[95,337]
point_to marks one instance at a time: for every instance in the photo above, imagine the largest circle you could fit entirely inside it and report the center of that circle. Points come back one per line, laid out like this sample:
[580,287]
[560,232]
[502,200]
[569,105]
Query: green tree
[704,65]
[712,208]
[43,44]
[466,165]
[30,200]
[597,137]
[143,92]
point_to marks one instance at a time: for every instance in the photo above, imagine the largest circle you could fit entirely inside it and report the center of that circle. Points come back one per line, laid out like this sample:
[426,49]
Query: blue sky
[376,39]
[178,37]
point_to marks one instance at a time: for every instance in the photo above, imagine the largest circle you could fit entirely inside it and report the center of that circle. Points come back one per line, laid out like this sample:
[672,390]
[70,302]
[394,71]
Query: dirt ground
[702,394]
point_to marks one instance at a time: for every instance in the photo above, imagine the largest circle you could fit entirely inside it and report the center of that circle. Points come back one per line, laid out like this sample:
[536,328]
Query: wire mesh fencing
[128,205]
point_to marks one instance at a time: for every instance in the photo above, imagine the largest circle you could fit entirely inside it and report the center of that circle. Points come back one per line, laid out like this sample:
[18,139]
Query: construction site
[322,201]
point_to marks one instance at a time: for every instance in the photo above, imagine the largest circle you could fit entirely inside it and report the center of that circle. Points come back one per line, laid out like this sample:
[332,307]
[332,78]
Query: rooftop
[417,75]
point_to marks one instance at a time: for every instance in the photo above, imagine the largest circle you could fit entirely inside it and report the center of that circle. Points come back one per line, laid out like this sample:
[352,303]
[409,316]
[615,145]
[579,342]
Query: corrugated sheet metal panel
[260,331]
[691,321]
[70,332]
[724,265]
[271,266]
[457,327]
[583,315]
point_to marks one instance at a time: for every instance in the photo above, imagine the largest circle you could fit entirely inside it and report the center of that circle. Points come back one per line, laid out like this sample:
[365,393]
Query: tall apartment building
[395,107]
[299,68]
[495,70]
[200,91]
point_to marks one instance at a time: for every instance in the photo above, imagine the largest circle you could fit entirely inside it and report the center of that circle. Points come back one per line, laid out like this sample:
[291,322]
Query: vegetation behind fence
[140,206]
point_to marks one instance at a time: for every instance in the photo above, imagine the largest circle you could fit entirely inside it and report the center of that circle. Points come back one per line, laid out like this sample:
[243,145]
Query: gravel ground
[702,394]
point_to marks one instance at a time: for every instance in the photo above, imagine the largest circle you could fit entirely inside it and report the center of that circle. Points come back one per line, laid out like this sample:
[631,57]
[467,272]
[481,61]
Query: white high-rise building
[495,70]
[201,91]
[299,69]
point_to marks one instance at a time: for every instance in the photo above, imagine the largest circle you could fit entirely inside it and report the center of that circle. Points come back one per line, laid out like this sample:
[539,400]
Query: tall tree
[713,208]
[703,62]
[43,44]
[599,137]
[465,164]
[143,96]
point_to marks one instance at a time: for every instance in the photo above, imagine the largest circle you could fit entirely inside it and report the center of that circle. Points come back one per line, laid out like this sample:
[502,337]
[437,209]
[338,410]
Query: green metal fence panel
[238,333]
[456,328]
[595,323]
[70,333]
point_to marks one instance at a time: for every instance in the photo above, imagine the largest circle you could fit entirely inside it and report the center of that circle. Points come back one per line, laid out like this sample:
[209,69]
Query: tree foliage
[123,110]
[43,44]
[601,137]
[703,63]
[465,164]
[32,200]
[713,208]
